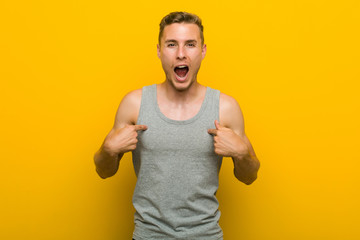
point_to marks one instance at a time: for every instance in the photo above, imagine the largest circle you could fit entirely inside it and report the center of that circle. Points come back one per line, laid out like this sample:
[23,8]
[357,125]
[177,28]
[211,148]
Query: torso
[177,172]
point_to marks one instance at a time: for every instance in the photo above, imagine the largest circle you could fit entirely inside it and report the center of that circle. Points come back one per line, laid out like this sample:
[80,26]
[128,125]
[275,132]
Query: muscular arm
[230,140]
[121,138]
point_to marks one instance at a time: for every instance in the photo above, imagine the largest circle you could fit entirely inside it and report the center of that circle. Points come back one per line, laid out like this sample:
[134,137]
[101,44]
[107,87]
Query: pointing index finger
[140,127]
[212,131]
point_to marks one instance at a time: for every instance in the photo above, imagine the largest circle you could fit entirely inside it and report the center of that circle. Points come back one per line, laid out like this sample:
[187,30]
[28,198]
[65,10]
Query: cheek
[166,65]
[196,56]
[196,61]
[166,59]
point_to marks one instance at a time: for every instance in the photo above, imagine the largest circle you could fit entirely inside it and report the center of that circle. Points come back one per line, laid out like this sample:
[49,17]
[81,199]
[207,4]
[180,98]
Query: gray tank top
[177,173]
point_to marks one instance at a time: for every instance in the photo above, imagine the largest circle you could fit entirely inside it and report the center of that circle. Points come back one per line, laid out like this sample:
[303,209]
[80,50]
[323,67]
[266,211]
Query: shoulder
[228,105]
[128,109]
[133,97]
[230,113]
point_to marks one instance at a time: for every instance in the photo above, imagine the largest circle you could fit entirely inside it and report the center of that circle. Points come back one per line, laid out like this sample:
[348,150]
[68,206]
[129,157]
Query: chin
[181,87]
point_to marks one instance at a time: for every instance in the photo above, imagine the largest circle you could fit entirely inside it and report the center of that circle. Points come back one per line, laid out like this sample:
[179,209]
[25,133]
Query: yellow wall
[294,67]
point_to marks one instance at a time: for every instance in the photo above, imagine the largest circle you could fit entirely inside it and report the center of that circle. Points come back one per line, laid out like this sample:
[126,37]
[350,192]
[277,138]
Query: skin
[180,44]
[180,99]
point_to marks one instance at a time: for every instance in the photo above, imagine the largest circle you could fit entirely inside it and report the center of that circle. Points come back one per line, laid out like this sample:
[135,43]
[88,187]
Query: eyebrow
[187,41]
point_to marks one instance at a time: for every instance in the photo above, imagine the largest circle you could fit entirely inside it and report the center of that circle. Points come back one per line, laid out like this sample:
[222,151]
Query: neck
[171,94]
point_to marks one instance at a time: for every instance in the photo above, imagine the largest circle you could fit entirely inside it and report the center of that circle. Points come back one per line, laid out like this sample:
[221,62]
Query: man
[178,132]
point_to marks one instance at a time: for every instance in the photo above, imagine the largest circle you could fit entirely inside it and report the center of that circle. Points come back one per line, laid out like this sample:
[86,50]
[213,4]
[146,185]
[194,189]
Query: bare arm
[230,140]
[121,138]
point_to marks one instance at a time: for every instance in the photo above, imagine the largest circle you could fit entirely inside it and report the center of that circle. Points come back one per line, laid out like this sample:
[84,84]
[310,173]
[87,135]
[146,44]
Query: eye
[191,44]
[171,45]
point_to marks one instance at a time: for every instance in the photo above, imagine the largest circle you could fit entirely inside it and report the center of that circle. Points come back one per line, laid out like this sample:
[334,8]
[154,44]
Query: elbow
[249,177]
[101,175]
[254,176]
[102,171]
[104,175]
[248,180]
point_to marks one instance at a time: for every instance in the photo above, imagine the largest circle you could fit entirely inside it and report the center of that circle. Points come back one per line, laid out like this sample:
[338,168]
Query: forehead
[181,32]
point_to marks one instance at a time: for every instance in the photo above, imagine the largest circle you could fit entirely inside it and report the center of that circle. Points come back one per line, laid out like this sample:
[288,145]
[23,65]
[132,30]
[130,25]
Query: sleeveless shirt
[177,173]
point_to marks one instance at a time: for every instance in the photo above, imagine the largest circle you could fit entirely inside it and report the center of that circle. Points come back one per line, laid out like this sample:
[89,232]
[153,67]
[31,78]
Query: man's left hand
[227,143]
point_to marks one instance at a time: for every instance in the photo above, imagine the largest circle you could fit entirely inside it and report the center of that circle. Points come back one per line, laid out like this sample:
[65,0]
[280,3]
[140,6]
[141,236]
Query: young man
[178,132]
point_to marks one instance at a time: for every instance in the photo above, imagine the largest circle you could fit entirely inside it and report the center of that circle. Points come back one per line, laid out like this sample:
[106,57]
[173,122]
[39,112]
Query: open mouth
[181,71]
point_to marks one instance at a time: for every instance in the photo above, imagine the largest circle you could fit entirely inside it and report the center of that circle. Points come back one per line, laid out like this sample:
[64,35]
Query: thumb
[217,124]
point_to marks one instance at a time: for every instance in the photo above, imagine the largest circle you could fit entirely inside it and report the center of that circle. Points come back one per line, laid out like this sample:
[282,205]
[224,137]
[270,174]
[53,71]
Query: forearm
[246,168]
[106,162]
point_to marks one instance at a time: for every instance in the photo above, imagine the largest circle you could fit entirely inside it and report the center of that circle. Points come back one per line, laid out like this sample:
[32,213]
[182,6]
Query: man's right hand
[123,140]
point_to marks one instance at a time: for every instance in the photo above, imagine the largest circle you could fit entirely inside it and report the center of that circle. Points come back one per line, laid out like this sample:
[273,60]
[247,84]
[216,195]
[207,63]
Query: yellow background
[294,67]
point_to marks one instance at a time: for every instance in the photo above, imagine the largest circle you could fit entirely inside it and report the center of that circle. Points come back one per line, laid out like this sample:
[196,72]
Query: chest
[179,112]
[192,139]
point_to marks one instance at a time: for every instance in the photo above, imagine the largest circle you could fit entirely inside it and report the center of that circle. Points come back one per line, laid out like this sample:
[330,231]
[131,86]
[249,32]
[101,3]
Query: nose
[181,54]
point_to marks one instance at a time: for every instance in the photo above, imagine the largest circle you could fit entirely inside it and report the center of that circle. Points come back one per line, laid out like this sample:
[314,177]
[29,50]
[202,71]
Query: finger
[217,124]
[140,127]
[212,131]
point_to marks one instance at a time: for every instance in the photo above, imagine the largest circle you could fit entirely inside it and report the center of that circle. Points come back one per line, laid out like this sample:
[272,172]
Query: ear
[158,50]
[203,51]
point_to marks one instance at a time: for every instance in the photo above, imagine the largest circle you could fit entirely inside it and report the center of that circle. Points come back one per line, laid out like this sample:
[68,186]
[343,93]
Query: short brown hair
[181,17]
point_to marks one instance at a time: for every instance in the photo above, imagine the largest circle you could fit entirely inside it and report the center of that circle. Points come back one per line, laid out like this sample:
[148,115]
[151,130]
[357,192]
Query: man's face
[181,53]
